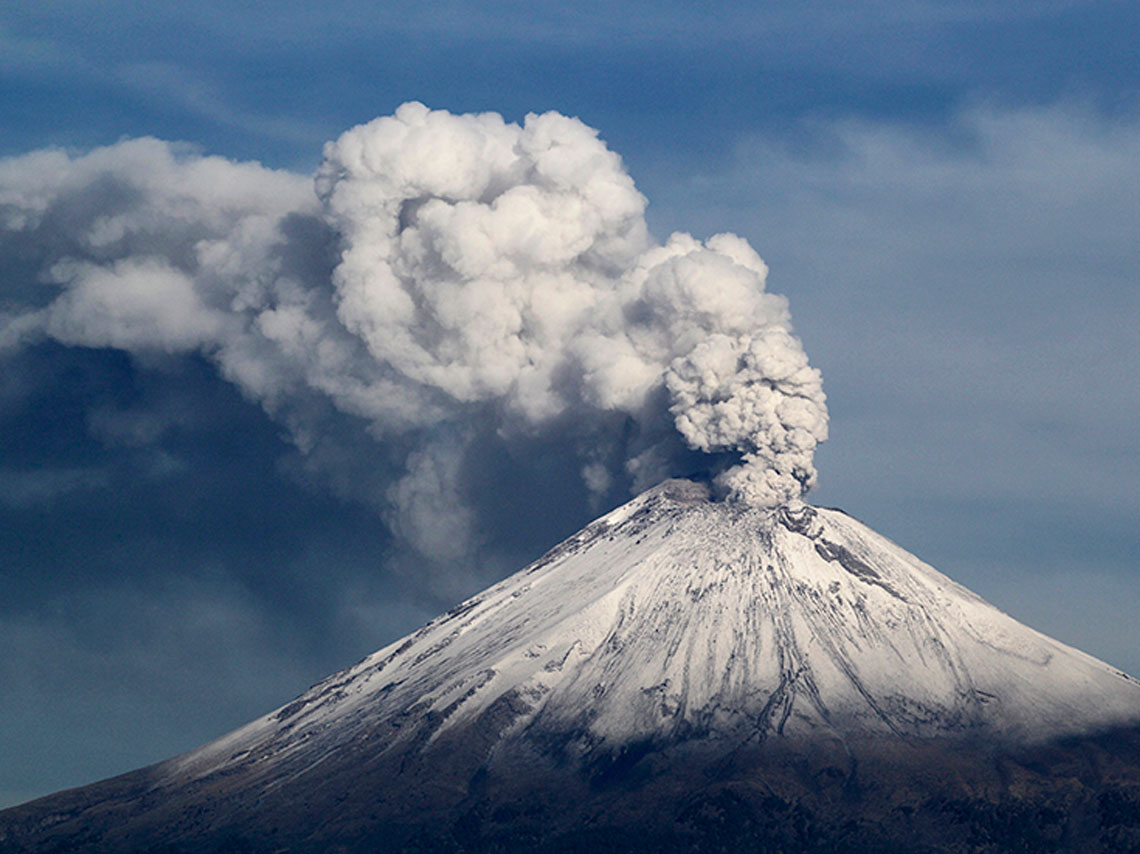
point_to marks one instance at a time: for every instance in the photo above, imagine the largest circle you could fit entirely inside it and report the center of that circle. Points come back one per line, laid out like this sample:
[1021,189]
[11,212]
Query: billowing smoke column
[493,262]
[454,276]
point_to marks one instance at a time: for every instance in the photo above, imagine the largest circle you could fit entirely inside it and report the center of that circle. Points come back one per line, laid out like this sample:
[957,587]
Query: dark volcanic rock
[1080,795]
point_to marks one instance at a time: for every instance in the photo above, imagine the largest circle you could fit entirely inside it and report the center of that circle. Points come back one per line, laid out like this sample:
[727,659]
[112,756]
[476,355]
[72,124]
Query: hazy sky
[947,194]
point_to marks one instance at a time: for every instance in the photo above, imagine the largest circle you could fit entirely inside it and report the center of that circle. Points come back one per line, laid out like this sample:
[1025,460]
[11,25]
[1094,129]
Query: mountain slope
[676,647]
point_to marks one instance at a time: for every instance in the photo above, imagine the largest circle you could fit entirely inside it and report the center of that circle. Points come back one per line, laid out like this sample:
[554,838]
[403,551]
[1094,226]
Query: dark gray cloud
[187,575]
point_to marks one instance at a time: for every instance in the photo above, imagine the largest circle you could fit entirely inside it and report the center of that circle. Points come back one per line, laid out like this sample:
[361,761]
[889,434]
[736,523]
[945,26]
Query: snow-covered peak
[675,618]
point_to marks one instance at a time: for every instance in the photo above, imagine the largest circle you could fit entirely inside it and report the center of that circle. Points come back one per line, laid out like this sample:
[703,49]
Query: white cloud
[131,304]
[453,276]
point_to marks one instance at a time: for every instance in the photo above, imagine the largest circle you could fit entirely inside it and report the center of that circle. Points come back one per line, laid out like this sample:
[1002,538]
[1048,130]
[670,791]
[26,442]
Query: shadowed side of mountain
[884,795]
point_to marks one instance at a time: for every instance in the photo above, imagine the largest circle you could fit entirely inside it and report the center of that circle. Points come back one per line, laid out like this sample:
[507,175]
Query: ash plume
[446,283]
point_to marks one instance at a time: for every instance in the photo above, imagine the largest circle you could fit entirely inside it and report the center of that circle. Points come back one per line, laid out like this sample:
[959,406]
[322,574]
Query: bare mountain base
[1080,795]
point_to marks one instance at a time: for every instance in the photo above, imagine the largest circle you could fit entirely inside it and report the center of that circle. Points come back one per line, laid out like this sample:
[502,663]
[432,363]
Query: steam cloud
[452,277]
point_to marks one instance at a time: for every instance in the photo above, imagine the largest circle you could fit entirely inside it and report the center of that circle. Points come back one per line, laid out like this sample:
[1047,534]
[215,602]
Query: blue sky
[949,195]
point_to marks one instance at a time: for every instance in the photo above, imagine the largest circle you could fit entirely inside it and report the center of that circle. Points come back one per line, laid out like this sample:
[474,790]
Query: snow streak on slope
[674,618]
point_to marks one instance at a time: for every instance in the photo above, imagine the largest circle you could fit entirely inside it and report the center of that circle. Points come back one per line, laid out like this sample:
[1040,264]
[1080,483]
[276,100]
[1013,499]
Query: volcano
[683,674]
